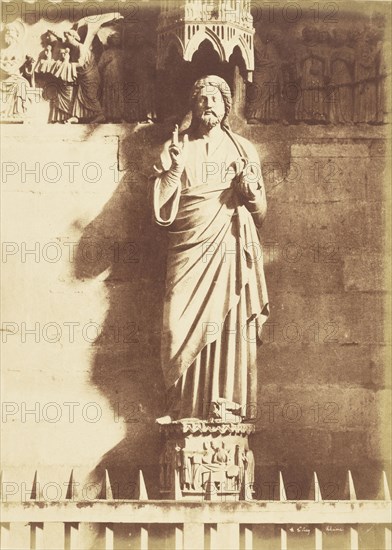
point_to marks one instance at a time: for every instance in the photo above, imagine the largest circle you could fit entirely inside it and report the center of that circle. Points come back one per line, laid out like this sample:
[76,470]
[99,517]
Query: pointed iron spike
[141,490]
[108,485]
[282,490]
[70,494]
[317,488]
[315,491]
[387,494]
[106,492]
[352,495]
[34,495]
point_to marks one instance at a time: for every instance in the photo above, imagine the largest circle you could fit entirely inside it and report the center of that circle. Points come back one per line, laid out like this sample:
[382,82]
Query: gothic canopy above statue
[224,23]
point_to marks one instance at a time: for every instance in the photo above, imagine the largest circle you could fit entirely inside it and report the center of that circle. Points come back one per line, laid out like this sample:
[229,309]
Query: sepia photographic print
[196,274]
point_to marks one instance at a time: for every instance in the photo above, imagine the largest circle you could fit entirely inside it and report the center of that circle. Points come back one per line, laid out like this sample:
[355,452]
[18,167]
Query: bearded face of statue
[209,107]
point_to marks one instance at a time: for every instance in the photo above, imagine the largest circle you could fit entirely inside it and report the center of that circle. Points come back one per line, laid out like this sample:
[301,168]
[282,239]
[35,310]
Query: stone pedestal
[206,460]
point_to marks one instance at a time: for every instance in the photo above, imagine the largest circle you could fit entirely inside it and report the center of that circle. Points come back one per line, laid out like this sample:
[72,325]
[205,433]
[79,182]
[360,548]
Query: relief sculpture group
[101,70]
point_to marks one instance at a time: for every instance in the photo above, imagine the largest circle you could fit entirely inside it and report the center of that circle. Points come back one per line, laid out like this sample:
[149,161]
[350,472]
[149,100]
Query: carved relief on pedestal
[207,460]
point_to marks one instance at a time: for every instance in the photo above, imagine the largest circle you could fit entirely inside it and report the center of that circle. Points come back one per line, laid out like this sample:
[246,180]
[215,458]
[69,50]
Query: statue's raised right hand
[177,151]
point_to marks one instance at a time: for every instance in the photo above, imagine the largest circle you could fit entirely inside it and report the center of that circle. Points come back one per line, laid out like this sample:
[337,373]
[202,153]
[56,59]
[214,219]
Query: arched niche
[206,60]
[201,37]
[178,76]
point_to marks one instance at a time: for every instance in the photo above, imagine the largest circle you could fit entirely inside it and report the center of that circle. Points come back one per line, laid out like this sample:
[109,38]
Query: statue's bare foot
[98,119]
[72,120]
[164,420]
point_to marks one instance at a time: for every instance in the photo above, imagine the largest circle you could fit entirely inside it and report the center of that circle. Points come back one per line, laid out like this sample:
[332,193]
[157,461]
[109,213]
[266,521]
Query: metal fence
[211,525]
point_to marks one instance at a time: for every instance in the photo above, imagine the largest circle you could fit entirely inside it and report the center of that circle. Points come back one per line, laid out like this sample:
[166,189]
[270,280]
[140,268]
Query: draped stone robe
[216,298]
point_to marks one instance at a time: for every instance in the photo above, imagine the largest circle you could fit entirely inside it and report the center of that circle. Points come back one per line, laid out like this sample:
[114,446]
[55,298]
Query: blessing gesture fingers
[177,150]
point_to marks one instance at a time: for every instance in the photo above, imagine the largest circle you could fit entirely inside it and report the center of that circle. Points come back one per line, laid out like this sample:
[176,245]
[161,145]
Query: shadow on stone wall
[126,363]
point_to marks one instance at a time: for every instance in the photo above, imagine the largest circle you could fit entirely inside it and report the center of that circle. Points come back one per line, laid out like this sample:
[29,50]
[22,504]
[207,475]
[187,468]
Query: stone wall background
[99,265]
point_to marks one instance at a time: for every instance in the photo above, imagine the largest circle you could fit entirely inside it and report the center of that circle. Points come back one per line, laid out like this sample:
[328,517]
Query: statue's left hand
[246,183]
[245,188]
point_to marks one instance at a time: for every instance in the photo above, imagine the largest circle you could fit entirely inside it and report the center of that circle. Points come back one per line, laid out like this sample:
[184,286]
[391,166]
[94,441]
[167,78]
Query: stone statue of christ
[210,195]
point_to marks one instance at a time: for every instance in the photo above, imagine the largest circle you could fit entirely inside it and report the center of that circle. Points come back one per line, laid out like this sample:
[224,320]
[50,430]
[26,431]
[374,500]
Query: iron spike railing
[224,524]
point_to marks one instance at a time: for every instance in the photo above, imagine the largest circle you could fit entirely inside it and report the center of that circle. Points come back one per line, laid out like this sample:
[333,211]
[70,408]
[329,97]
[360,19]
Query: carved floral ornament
[195,426]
